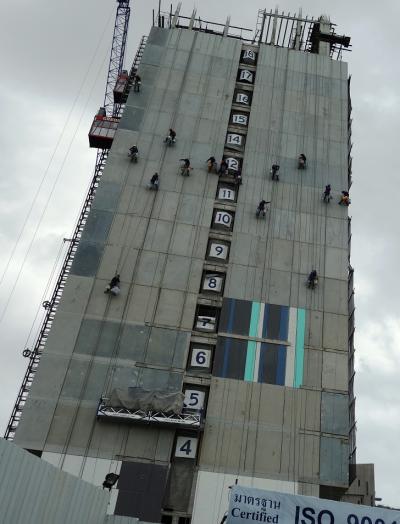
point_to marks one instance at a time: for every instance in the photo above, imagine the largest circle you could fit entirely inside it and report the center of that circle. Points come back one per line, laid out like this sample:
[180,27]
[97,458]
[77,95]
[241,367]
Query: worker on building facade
[223,168]
[212,165]
[262,208]
[185,167]
[170,139]
[274,172]
[114,286]
[154,182]
[344,199]
[327,197]
[302,161]
[137,82]
[133,153]
[238,177]
[312,280]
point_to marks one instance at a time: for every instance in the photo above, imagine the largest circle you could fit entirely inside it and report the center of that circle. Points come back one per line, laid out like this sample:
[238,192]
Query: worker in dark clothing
[238,177]
[185,167]
[154,182]
[110,480]
[302,161]
[171,138]
[262,208]
[274,172]
[223,168]
[327,194]
[114,286]
[134,153]
[137,82]
[312,280]
[344,199]
[212,165]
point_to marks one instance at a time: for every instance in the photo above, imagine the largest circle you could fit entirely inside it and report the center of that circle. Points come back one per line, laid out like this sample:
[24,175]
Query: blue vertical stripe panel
[284,323]
[299,358]
[231,314]
[281,367]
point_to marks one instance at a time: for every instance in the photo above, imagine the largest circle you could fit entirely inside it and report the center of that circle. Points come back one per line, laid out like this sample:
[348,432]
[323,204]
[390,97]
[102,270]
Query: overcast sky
[54,58]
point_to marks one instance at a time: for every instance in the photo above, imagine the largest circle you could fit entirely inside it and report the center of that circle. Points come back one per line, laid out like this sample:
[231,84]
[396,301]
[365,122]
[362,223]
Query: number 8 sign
[212,282]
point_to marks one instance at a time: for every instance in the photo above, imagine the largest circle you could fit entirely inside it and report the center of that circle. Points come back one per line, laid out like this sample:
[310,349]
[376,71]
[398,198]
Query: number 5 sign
[194,399]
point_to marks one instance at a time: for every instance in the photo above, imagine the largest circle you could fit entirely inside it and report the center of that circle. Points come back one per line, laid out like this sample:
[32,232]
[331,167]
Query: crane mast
[117,54]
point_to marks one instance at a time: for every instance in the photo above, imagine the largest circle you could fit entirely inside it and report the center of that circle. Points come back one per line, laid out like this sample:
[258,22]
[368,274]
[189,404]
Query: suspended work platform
[185,420]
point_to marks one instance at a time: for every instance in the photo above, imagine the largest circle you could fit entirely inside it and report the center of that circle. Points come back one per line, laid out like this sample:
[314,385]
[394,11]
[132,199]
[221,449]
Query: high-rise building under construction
[218,362]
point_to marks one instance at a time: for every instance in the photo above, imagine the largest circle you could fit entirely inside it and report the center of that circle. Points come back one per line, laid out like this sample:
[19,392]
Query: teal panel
[250,360]
[299,358]
[255,313]
[251,346]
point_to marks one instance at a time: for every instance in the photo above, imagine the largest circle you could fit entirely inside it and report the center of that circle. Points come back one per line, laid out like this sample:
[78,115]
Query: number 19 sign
[254,505]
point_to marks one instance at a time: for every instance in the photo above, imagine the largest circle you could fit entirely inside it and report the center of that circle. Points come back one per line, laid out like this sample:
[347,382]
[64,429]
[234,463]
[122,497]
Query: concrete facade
[276,400]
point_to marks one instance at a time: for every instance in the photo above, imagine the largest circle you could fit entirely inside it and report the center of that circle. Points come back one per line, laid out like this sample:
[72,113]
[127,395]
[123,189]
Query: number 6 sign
[201,358]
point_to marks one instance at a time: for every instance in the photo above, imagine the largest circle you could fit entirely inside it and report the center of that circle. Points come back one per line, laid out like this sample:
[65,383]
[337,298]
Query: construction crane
[113,110]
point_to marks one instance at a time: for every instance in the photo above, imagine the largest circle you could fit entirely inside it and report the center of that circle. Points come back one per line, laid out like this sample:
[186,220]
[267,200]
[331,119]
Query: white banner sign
[254,505]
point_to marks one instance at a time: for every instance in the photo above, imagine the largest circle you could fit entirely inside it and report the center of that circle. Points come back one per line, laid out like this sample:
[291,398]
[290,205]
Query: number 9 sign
[218,250]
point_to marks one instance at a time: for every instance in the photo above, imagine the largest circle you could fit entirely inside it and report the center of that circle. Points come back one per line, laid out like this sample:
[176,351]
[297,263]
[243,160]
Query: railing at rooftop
[272,28]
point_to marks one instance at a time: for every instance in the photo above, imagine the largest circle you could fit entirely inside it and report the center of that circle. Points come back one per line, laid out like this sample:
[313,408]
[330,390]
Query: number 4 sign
[186,447]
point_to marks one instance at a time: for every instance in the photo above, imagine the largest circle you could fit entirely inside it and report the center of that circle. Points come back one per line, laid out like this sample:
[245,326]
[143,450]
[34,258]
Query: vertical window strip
[280,369]
[226,350]
[284,323]
[250,371]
